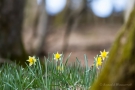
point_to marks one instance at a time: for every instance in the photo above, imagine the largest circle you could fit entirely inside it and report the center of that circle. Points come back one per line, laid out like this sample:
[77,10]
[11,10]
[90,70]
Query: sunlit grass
[50,75]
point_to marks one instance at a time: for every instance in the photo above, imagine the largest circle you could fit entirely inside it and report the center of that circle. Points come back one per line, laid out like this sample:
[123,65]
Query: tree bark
[119,70]
[35,21]
[11,18]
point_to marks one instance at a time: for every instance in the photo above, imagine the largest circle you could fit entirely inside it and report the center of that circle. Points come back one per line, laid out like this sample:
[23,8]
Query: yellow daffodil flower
[98,61]
[57,56]
[104,54]
[32,60]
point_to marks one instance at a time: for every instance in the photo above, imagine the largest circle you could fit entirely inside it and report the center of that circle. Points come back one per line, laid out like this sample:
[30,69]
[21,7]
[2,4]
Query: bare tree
[35,21]
[17,16]
[11,19]
[73,19]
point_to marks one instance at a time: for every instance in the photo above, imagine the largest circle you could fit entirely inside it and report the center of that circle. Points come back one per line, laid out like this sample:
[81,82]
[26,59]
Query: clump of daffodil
[98,61]
[103,54]
[57,56]
[100,58]
[60,68]
[32,60]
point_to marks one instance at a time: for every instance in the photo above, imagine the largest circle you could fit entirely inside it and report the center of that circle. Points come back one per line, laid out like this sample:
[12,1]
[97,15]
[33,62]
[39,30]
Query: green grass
[46,76]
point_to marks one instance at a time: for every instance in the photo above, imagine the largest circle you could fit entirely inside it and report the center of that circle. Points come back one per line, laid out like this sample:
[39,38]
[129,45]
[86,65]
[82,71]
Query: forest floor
[89,40]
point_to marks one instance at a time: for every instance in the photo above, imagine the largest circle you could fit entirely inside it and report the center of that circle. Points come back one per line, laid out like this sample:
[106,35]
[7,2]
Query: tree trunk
[72,22]
[129,7]
[11,18]
[35,22]
[119,70]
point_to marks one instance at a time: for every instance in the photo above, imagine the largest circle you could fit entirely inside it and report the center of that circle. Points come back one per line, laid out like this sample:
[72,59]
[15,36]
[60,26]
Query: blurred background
[42,27]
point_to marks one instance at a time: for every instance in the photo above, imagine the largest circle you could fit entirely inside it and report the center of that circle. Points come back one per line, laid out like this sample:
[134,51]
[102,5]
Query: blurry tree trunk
[41,30]
[35,20]
[73,19]
[129,7]
[11,18]
[119,70]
